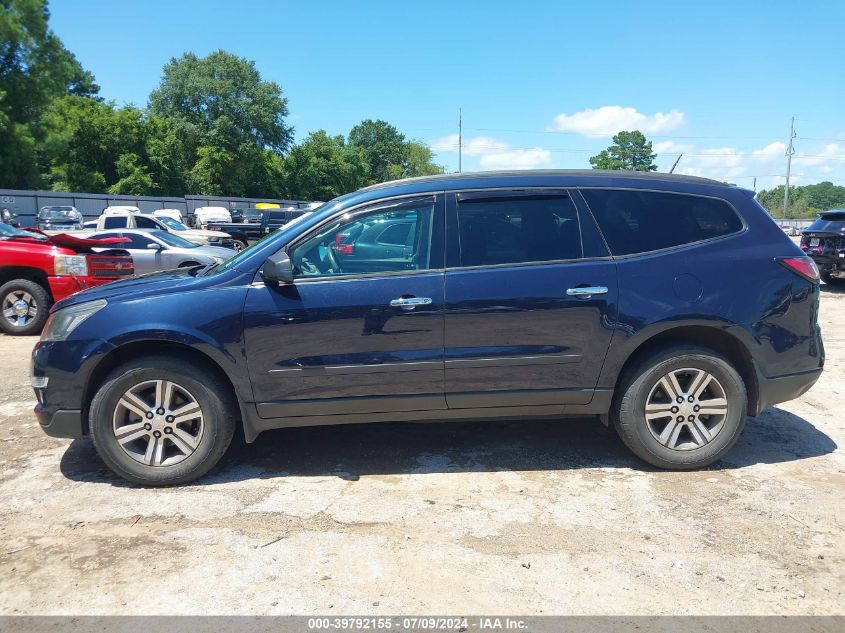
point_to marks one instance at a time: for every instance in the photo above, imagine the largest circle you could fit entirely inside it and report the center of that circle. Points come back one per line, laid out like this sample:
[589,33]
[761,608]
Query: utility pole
[790,150]
[460,136]
[675,164]
[754,186]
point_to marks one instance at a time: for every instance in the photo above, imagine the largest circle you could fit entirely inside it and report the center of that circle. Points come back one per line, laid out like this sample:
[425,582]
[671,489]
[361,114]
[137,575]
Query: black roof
[569,173]
[835,212]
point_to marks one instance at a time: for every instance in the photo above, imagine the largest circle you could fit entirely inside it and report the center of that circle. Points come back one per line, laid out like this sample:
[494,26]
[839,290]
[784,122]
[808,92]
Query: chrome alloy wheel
[686,409]
[19,308]
[158,423]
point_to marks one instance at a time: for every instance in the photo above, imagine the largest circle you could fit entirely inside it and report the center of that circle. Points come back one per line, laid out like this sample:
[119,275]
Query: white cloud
[766,163]
[493,153]
[517,159]
[609,120]
[475,146]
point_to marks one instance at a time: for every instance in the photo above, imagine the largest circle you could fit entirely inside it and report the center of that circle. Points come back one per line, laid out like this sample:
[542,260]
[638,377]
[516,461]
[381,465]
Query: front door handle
[410,302]
[587,291]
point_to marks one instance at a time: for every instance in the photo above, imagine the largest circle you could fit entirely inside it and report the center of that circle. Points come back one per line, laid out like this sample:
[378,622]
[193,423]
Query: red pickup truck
[37,270]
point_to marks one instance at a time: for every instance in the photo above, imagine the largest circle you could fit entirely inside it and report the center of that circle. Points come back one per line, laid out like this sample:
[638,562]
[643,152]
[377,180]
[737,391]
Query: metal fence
[26,202]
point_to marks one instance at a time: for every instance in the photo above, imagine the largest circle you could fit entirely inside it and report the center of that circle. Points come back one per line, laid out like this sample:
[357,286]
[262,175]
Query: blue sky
[541,84]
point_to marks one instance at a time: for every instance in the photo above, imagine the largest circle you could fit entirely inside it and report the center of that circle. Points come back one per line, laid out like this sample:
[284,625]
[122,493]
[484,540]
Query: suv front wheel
[159,422]
[681,409]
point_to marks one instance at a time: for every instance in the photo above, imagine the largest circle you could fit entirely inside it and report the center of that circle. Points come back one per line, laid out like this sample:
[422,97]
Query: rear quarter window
[642,221]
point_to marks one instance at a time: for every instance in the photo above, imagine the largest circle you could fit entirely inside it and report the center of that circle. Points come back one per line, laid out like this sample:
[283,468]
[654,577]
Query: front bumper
[67,367]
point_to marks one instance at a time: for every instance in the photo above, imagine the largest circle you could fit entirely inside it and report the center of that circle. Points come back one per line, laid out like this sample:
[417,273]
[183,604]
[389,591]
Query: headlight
[71,265]
[213,239]
[62,322]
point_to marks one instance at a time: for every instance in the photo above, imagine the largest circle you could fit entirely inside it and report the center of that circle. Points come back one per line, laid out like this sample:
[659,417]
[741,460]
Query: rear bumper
[783,388]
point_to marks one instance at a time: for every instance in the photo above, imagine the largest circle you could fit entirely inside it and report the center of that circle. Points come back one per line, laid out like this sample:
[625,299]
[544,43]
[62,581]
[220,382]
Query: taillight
[802,266]
[213,228]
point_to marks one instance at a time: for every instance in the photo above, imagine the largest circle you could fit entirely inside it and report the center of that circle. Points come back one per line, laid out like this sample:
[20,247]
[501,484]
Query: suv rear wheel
[681,409]
[25,305]
[158,422]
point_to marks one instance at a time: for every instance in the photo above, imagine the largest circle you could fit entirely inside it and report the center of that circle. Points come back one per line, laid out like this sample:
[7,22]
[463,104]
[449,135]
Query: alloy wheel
[19,308]
[686,409]
[158,423]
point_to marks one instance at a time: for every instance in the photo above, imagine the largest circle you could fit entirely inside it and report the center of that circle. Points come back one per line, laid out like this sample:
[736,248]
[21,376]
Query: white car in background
[120,210]
[174,214]
[204,215]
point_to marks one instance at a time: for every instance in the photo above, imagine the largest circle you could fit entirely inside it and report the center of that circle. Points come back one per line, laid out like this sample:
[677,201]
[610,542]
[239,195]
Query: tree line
[211,127]
[804,201]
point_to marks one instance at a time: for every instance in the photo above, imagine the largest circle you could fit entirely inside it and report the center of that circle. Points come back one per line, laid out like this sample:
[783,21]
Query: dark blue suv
[669,306]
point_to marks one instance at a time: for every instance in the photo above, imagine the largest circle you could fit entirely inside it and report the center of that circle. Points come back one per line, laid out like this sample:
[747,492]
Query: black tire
[629,418]
[42,303]
[831,280]
[239,245]
[210,391]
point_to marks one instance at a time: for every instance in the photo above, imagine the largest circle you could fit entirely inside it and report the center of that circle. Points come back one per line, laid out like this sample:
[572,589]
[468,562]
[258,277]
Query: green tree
[630,150]
[323,167]
[134,177]
[419,161]
[223,124]
[91,146]
[804,201]
[35,68]
[384,149]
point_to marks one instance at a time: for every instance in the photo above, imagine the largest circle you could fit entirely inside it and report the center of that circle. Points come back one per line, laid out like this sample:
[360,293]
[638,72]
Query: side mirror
[277,269]
[155,246]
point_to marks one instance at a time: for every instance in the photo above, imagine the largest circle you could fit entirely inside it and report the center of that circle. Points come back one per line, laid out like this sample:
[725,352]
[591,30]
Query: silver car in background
[160,250]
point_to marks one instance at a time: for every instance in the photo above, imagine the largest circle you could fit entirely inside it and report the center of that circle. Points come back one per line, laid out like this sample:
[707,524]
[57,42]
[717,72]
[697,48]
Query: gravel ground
[492,518]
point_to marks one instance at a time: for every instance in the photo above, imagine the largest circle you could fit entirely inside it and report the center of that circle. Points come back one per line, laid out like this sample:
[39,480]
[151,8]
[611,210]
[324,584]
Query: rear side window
[642,221]
[115,222]
[517,229]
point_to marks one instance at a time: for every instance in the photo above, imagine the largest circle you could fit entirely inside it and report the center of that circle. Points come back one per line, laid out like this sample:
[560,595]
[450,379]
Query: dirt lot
[528,518]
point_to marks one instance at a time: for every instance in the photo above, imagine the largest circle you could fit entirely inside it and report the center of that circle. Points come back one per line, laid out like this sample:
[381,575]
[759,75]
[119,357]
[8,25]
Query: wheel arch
[138,349]
[35,275]
[715,338]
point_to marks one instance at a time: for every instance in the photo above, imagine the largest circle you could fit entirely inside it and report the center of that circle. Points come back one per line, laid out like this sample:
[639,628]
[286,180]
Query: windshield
[252,214]
[59,213]
[828,224]
[172,240]
[7,232]
[171,223]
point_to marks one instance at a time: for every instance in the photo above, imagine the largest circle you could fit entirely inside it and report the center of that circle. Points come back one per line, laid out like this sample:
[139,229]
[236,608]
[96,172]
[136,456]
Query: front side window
[642,221]
[352,245]
[146,223]
[517,229]
[138,241]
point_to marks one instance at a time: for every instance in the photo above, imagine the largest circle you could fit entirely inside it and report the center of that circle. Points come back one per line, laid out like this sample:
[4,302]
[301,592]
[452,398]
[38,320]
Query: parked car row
[36,270]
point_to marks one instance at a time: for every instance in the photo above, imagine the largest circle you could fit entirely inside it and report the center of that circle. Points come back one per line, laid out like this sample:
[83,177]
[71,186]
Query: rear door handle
[410,302]
[587,291]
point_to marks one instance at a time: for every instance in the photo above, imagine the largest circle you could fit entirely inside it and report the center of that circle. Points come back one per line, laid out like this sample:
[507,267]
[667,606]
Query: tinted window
[115,222]
[146,223]
[350,246]
[831,223]
[138,241]
[510,230]
[643,221]
[396,234]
